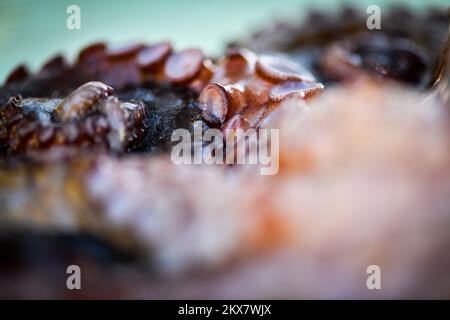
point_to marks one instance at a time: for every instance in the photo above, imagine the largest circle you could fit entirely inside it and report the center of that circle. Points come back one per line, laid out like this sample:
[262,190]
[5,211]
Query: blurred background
[32,31]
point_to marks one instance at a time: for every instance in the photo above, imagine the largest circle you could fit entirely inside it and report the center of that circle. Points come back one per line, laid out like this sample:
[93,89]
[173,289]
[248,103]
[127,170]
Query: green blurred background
[31,31]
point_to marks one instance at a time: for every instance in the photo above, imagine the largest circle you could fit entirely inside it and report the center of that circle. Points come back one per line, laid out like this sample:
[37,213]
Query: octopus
[245,88]
[363,168]
[44,114]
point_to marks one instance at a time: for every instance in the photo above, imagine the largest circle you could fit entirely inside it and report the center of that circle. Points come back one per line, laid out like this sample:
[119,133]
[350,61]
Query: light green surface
[31,31]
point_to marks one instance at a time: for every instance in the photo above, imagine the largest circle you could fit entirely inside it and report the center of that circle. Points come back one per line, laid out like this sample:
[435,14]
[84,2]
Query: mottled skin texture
[131,98]
[364,179]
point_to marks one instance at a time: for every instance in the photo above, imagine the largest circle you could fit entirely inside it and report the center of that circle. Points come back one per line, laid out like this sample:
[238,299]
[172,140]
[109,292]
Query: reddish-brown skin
[132,65]
[237,91]
[247,87]
[241,82]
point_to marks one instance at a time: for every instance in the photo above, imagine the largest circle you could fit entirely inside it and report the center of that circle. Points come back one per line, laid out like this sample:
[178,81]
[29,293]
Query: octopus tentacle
[79,121]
